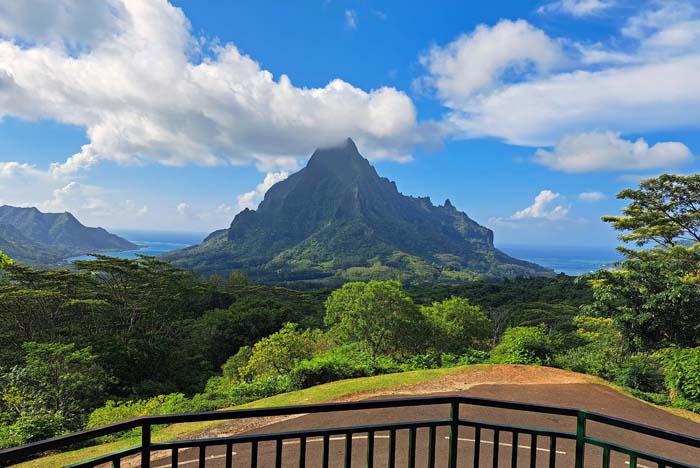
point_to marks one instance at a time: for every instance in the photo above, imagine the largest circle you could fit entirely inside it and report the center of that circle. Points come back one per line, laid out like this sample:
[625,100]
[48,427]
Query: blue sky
[528,116]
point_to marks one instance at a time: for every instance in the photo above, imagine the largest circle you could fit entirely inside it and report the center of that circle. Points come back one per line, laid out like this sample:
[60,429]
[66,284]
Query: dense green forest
[115,338]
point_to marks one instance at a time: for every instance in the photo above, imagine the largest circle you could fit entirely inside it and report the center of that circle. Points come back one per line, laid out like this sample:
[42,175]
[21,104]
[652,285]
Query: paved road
[592,397]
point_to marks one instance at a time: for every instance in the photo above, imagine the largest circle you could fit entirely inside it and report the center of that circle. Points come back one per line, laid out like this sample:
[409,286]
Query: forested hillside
[135,337]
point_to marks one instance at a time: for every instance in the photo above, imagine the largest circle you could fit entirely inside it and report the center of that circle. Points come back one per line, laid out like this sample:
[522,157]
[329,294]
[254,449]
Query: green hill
[29,236]
[338,220]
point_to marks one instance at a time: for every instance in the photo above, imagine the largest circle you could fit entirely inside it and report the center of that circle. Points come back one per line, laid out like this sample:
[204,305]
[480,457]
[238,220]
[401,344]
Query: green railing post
[146,445]
[580,438]
[454,434]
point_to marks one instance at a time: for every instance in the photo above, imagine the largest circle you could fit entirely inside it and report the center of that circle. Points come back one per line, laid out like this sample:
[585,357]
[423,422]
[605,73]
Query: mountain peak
[344,159]
[337,220]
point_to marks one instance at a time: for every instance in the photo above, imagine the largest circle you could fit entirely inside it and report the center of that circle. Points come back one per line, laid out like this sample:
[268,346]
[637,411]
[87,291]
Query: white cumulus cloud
[252,199]
[644,78]
[607,151]
[543,208]
[476,62]
[147,91]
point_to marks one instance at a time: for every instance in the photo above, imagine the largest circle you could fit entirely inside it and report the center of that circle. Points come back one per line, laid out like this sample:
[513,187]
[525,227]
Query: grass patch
[320,394]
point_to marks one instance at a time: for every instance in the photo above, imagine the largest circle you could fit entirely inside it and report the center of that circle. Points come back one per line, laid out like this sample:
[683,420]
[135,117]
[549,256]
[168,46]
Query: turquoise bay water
[152,242]
[572,260]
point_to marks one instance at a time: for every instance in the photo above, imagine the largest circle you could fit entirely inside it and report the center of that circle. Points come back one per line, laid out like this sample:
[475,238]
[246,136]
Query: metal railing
[585,450]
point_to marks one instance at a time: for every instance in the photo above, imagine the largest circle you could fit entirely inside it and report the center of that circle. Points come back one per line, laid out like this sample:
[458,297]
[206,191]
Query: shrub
[421,361]
[641,372]
[682,366]
[30,427]
[328,368]
[473,356]
[524,345]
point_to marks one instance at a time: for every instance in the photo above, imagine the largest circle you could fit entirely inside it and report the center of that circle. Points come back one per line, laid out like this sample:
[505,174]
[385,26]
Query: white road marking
[639,465]
[377,436]
[196,460]
[506,444]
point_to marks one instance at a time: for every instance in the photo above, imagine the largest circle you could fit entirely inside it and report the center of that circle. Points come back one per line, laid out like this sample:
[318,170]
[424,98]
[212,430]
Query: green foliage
[114,411]
[682,366]
[456,325]
[237,361]
[335,365]
[596,348]
[663,210]
[654,298]
[524,345]
[641,372]
[336,220]
[278,353]
[53,379]
[4,260]
[378,315]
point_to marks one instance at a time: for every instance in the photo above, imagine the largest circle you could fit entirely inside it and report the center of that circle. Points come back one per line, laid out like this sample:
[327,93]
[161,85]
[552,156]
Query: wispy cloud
[351,19]
[577,8]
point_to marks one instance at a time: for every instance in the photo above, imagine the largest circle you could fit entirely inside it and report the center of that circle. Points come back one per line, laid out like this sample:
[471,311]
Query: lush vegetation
[337,220]
[121,338]
[35,238]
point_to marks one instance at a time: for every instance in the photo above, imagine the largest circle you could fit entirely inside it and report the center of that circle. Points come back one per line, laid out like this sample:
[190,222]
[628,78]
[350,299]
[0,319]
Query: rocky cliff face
[338,220]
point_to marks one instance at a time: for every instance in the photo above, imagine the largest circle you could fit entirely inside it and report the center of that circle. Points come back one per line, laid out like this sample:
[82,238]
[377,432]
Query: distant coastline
[571,260]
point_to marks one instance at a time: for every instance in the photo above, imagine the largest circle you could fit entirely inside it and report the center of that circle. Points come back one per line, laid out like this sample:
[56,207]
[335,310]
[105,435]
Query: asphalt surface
[586,396]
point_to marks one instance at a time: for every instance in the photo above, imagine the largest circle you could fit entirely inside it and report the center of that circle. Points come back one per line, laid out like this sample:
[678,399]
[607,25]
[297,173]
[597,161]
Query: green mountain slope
[30,236]
[338,220]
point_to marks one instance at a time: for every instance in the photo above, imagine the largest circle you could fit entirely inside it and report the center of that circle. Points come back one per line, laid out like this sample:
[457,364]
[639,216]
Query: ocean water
[152,242]
[571,260]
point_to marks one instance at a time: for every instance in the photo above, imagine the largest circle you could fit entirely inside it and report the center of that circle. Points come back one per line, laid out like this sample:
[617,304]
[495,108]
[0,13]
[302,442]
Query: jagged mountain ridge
[338,220]
[29,236]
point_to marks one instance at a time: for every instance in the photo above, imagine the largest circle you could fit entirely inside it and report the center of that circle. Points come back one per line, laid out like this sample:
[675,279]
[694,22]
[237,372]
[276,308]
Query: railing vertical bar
[580,438]
[117,463]
[348,450]
[302,452]
[278,453]
[533,450]
[514,450]
[606,457]
[552,452]
[326,449]
[392,448]
[229,456]
[145,445]
[370,449]
[633,461]
[454,434]
[477,446]
[431,446]
[412,447]
[174,456]
[496,447]
[202,456]
[254,454]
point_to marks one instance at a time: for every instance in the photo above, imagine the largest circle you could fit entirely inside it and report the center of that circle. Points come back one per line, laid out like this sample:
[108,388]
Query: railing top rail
[670,436]
[65,440]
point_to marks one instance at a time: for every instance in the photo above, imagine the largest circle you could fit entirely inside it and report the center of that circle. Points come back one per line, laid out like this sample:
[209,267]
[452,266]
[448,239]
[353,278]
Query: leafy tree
[55,379]
[458,325]
[378,315]
[524,345]
[4,260]
[278,353]
[597,348]
[654,297]
[664,210]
